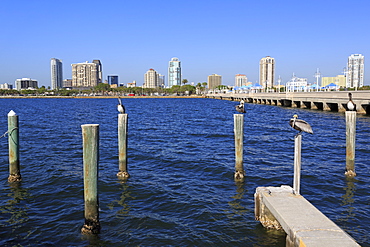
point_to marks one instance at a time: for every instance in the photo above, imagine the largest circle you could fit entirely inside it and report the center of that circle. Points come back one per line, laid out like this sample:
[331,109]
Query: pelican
[300,125]
[120,107]
[240,108]
[351,106]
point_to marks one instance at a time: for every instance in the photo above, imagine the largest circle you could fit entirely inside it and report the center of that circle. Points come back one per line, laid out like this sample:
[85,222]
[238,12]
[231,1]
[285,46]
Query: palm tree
[184,81]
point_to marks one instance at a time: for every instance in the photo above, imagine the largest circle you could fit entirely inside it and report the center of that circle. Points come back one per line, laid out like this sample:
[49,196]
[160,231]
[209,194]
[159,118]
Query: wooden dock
[304,224]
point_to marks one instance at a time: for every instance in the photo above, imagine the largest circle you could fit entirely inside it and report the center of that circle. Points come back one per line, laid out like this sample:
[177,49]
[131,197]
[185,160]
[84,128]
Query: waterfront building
[355,71]
[214,81]
[26,83]
[174,72]
[339,80]
[6,86]
[113,80]
[240,80]
[151,79]
[56,73]
[131,84]
[67,83]
[85,75]
[100,70]
[267,72]
[297,85]
[161,81]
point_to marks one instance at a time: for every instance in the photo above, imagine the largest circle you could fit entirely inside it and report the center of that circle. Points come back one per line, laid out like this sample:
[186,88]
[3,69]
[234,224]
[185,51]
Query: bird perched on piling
[300,125]
[351,106]
[120,107]
[240,107]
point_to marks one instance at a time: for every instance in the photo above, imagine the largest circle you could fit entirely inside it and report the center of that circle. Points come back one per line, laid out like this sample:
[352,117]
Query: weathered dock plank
[305,225]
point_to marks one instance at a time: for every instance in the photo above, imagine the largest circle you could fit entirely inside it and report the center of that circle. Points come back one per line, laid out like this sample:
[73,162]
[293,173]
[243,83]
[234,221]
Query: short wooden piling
[350,143]
[239,133]
[122,146]
[297,164]
[13,140]
[90,134]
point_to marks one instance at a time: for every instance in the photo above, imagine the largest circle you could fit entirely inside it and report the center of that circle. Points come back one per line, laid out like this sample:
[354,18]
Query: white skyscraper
[174,72]
[85,75]
[151,79]
[240,80]
[56,73]
[355,71]
[267,72]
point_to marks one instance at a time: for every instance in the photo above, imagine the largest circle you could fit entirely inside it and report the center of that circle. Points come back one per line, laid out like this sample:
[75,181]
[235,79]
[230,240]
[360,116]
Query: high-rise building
[214,81]
[355,71]
[67,83]
[100,70]
[151,79]
[85,75]
[240,80]
[113,80]
[267,72]
[161,81]
[25,83]
[174,72]
[56,73]
[6,86]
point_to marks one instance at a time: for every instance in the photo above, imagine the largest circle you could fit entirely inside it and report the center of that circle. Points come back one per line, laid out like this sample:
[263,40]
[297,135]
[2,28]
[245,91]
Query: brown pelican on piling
[300,125]
[351,106]
[240,108]
[120,107]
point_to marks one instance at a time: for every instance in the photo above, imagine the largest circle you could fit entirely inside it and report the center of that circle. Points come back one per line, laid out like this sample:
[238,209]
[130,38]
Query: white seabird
[120,107]
[351,106]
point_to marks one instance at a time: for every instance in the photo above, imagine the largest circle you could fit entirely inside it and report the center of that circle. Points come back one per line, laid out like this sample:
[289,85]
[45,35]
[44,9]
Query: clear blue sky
[222,37]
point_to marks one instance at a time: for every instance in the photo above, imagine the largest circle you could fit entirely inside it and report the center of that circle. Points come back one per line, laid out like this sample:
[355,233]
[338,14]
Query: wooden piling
[239,133]
[122,146]
[350,143]
[297,163]
[13,140]
[90,134]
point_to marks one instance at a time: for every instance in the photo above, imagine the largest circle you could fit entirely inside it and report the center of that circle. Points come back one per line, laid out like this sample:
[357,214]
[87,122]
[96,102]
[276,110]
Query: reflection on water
[236,203]
[14,212]
[348,200]
[124,196]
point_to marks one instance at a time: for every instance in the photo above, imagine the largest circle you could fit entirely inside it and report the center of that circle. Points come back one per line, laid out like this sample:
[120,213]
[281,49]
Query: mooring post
[350,143]
[297,163]
[122,146]
[239,133]
[13,140]
[90,135]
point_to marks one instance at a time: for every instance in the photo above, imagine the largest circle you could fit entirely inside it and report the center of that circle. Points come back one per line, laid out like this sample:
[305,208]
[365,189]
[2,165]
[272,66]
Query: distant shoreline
[101,97]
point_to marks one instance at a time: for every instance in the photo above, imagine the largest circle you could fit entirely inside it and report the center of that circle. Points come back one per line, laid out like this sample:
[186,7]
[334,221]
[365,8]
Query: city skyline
[225,38]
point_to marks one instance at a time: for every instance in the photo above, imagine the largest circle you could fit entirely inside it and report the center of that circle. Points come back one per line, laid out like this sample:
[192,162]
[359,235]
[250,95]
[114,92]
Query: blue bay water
[181,160]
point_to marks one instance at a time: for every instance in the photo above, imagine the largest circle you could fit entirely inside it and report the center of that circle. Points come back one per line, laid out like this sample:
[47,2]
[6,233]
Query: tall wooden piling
[90,134]
[297,164]
[122,146]
[350,143]
[239,133]
[13,140]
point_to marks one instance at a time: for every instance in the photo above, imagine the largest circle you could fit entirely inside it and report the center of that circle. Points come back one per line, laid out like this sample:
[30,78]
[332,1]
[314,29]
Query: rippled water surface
[181,160]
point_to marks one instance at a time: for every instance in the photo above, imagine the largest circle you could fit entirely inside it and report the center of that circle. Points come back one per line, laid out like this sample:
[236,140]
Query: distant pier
[327,101]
